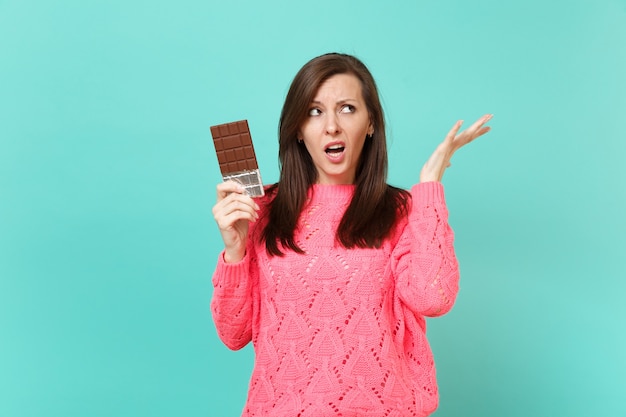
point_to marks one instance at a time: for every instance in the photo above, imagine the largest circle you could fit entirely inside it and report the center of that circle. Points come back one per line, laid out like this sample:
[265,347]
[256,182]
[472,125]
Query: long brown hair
[375,205]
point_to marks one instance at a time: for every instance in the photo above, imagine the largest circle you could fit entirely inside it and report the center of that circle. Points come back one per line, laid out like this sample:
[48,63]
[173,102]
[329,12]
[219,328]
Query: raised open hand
[436,165]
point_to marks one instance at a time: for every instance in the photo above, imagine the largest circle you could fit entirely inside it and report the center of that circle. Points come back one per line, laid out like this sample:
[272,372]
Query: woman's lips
[335,152]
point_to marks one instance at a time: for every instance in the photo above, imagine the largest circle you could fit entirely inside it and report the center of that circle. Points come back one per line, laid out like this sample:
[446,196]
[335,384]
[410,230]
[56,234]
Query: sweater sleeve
[232,305]
[424,263]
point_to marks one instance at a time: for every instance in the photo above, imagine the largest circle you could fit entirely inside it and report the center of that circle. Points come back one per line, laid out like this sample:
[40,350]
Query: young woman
[332,272]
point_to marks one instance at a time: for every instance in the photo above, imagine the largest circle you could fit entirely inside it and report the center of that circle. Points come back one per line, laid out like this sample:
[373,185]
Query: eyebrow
[342,101]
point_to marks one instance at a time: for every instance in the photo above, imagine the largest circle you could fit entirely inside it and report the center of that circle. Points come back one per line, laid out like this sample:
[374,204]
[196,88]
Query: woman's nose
[332,124]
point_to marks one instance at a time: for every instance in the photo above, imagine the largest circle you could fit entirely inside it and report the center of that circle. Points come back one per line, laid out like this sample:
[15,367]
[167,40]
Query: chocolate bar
[235,154]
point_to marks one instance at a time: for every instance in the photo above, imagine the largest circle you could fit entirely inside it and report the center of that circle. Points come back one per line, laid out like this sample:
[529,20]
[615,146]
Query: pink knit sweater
[341,332]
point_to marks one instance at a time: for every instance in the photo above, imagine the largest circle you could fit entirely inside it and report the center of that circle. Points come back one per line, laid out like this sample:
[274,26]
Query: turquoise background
[108,173]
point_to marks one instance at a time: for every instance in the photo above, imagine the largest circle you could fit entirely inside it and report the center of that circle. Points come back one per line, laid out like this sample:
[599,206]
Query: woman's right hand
[233,212]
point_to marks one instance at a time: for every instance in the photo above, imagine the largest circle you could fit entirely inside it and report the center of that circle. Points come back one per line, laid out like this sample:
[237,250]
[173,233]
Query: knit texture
[336,331]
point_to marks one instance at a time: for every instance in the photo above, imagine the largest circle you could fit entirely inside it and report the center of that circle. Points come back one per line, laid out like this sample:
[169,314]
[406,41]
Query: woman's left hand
[436,165]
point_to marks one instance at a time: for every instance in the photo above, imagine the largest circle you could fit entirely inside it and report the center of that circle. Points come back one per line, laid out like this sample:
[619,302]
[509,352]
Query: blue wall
[107,176]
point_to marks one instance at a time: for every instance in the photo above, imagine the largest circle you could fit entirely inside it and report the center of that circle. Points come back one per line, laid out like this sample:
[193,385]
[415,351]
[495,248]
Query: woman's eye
[315,112]
[347,109]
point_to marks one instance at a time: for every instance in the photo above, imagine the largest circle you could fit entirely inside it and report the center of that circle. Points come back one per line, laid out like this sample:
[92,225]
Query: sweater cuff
[228,274]
[426,193]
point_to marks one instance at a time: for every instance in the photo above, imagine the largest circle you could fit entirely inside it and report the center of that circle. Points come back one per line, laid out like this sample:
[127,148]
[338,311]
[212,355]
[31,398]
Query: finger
[229,221]
[228,187]
[479,123]
[241,202]
[466,137]
[482,131]
[226,216]
[477,134]
[235,202]
[453,132]
[474,131]
[236,193]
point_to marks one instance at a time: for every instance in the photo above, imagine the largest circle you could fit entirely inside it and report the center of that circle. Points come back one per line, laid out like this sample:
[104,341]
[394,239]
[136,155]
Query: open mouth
[335,149]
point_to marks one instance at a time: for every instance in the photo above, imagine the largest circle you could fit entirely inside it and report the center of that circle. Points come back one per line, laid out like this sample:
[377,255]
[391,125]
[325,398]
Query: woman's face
[335,128]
